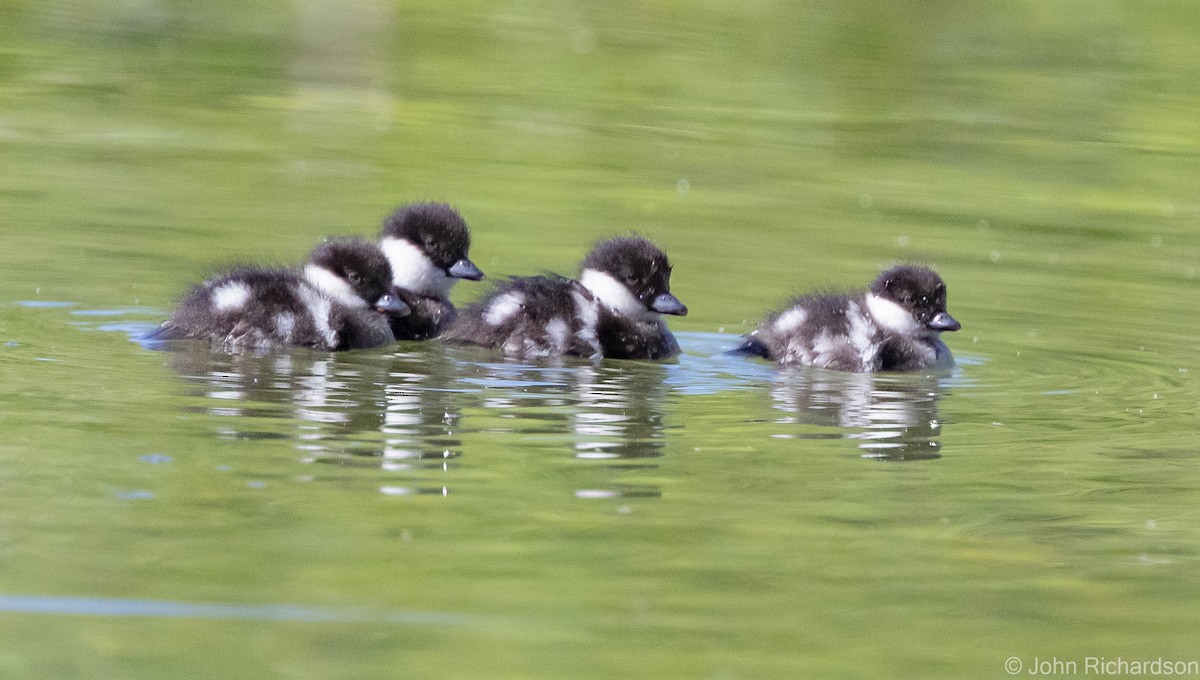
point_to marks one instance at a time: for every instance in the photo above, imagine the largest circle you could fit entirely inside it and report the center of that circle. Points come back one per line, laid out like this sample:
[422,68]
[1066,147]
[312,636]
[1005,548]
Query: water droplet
[994,256]
[155,458]
[902,240]
[1156,241]
[682,186]
[866,201]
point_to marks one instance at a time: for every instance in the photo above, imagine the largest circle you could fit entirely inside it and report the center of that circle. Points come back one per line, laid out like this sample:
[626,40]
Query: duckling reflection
[421,412]
[320,401]
[600,412]
[894,416]
[351,409]
[619,413]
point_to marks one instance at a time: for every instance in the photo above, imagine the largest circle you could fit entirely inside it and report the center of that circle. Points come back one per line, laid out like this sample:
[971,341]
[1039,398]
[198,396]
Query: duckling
[336,302]
[613,310]
[892,326]
[426,245]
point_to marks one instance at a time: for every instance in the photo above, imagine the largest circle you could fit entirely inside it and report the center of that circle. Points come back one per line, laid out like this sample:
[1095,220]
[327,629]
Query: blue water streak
[99,606]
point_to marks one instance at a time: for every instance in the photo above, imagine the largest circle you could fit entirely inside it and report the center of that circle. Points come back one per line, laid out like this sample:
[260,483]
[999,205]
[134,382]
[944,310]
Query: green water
[435,512]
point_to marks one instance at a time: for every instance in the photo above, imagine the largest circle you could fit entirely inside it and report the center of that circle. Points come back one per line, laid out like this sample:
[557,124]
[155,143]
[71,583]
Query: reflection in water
[402,412]
[421,414]
[611,412]
[347,409]
[619,411]
[893,415]
[407,413]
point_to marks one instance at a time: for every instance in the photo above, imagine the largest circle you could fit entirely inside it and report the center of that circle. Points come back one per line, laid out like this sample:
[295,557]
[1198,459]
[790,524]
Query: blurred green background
[1043,156]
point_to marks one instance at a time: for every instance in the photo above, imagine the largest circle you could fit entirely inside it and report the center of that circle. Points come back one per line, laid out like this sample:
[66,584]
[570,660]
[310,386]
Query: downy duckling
[426,245]
[337,302]
[613,310]
[892,326]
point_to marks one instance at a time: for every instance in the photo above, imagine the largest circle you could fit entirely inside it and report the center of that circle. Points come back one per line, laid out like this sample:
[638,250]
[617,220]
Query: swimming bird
[614,309]
[892,326]
[336,302]
[426,245]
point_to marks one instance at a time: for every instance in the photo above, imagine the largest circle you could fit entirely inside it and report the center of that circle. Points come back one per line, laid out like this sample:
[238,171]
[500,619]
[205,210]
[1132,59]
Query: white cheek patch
[891,316]
[413,270]
[503,308]
[790,320]
[229,296]
[612,294]
[334,286]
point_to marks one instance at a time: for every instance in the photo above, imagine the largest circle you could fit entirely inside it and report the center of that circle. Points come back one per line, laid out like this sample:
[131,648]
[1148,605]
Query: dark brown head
[435,231]
[631,276]
[354,272]
[920,292]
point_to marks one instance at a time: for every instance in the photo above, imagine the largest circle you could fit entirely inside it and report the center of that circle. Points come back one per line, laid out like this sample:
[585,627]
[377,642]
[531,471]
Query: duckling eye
[353,277]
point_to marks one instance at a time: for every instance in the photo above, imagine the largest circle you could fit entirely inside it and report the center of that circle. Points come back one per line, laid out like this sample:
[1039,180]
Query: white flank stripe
[503,308]
[588,314]
[790,320]
[862,333]
[558,330]
[285,324]
[232,295]
[413,270]
[825,347]
[334,286]
[318,307]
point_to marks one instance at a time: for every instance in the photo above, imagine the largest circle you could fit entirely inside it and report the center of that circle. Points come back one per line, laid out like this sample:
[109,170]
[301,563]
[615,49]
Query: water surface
[429,510]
